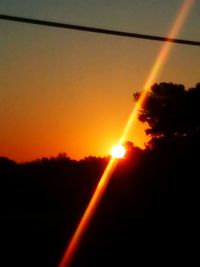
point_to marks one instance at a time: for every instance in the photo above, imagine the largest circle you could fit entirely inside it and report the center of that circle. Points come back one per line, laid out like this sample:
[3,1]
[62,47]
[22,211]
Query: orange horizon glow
[159,63]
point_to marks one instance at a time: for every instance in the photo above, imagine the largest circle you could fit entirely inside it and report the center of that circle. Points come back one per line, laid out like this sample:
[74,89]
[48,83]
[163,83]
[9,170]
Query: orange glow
[118,151]
[73,244]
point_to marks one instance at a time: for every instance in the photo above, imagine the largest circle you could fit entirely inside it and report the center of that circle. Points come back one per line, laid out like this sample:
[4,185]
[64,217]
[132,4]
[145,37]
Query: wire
[97,30]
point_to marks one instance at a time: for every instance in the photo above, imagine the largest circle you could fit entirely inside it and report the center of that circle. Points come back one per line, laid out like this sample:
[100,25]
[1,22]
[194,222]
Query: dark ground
[149,214]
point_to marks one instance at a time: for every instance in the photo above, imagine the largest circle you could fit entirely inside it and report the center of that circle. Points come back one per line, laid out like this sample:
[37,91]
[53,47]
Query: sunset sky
[69,91]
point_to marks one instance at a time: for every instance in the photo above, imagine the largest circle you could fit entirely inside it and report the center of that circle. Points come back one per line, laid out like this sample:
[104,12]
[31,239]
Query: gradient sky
[69,91]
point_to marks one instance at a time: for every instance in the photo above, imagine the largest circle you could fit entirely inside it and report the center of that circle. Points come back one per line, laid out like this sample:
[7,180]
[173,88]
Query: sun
[118,151]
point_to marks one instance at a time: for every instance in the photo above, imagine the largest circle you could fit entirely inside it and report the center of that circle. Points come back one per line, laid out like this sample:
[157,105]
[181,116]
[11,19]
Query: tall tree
[171,111]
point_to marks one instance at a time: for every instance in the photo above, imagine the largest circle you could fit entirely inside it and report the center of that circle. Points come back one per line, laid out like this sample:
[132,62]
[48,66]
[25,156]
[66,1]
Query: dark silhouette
[149,214]
[171,111]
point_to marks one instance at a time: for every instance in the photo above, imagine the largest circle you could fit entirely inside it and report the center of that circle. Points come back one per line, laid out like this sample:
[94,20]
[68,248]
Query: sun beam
[101,187]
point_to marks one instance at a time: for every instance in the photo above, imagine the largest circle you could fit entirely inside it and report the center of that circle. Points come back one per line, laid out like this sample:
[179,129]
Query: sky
[69,91]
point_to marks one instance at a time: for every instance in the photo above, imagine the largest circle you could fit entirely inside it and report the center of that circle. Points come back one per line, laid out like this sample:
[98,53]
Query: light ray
[159,63]
[73,244]
[101,187]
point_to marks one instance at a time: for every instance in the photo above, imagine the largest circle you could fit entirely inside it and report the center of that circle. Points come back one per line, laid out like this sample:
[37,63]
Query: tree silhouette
[150,207]
[171,111]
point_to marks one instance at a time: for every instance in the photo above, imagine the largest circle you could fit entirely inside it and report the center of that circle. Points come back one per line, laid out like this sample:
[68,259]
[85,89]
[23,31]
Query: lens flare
[101,187]
[76,238]
[159,63]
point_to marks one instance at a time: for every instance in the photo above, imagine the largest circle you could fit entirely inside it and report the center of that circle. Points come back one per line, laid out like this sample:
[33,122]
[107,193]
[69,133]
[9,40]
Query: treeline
[149,214]
[149,210]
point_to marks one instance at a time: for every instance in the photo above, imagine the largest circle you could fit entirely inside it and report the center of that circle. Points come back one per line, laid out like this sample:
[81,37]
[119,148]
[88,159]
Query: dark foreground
[149,213]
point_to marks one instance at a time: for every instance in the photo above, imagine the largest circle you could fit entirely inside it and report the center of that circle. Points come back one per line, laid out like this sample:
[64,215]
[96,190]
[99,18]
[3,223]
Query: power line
[97,30]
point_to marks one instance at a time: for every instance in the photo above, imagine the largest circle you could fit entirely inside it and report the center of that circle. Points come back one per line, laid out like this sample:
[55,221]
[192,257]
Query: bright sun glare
[118,151]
